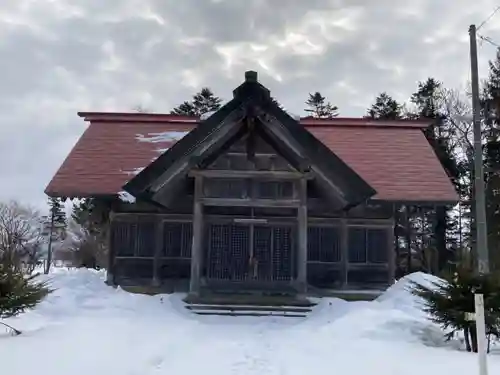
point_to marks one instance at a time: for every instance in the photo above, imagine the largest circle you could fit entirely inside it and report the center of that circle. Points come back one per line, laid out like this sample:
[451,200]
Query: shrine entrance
[250,254]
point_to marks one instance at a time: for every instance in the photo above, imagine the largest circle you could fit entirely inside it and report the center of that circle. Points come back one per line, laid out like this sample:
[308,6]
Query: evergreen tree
[58,226]
[203,102]
[18,292]
[92,215]
[385,108]
[318,107]
[82,214]
[57,211]
[428,101]
[448,300]
[491,112]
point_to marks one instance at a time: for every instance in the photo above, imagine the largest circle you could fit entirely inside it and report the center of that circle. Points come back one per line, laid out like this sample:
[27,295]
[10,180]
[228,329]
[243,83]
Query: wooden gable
[251,152]
[250,137]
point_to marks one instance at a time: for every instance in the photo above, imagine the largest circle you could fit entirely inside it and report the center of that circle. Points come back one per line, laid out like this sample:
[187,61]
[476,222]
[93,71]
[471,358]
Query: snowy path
[86,328]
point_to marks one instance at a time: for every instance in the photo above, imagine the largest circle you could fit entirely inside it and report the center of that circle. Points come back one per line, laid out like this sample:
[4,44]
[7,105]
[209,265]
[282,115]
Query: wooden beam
[212,141]
[302,238]
[265,175]
[147,216]
[157,254]
[392,259]
[344,250]
[247,202]
[197,244]
[110,269]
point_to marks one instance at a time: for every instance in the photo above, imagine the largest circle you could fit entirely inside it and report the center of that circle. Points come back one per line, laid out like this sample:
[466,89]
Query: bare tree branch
[21,236]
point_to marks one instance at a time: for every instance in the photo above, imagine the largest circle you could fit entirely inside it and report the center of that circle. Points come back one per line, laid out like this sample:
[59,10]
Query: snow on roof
[169,136]
[126,197]
[206,115]
[134,172]
[161,137]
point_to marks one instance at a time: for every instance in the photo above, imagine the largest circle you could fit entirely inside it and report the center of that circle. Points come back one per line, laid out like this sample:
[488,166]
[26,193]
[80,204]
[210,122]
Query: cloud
[62,56]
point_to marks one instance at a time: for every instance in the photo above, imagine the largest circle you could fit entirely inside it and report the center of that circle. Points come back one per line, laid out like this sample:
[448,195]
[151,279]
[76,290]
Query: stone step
[246,308]
[250,313]
[249,305]
[249,300]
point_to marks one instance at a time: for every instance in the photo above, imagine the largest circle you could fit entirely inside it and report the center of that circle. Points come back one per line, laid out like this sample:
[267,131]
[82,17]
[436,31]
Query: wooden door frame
[255,284]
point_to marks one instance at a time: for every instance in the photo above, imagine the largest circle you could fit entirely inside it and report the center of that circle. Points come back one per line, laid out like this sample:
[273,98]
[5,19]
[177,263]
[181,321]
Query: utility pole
[49,248]
[480,201]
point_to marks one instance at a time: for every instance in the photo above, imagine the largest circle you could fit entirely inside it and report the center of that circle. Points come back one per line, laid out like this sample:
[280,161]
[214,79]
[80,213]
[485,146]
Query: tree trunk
[467,339]
[473,337]
[440,233]
[49,248]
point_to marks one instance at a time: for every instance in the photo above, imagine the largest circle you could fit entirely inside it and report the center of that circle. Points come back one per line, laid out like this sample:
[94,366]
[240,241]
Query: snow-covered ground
[87,328]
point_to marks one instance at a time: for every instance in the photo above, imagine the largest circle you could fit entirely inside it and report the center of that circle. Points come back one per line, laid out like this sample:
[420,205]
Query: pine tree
[58,225]
[447,302]
[491,112]
[318,107]
[428,101]
[82,213]
[202,103]
[385,108]
[92,215]
[18,292]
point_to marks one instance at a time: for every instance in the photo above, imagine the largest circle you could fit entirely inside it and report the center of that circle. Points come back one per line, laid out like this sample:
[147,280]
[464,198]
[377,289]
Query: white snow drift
[87,328]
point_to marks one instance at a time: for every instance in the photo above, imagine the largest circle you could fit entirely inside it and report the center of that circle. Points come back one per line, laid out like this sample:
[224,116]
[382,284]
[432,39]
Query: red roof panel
[397,161]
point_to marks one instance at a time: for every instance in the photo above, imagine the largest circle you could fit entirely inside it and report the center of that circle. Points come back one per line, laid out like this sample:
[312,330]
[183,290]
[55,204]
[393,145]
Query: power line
[488,40]
[488,18]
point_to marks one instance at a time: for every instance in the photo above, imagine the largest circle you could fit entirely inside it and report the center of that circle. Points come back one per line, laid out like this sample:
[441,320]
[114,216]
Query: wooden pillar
[110,280]
[197,244]
[408,236]
[157,253]
[302,238]
[397,251]
[393,255]
[344,250]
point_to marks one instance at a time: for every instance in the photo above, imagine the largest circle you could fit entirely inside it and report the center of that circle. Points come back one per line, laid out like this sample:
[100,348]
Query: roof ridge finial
[250,76]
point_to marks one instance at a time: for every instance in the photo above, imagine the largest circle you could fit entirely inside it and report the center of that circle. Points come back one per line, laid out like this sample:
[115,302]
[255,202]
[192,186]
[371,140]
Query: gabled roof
[253,102]
[393,157]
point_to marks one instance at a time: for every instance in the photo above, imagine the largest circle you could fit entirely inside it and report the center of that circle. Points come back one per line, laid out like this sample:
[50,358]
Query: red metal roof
[394,157]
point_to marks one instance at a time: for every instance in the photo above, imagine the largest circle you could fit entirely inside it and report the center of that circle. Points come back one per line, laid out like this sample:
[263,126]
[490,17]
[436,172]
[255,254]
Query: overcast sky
[58,57]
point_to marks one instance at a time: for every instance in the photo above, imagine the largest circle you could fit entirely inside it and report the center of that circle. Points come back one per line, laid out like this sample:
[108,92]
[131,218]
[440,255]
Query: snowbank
[398,295]
[90,328]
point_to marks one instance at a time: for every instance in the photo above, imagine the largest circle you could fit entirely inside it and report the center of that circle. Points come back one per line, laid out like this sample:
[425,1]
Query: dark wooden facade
[251,207]
[255,252]
[249,200]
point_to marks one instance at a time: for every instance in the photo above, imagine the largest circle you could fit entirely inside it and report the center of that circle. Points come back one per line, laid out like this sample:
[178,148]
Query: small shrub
[448,302]
[19,292]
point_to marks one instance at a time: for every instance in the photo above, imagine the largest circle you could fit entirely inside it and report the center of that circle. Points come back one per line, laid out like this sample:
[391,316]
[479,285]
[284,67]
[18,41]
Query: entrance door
[250,253]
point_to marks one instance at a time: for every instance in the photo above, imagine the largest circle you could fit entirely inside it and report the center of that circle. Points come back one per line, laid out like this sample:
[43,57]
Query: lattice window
[219,240]
[282,253]
[323,244]
[368,245]
[177,240]
[239,252]
[377,246]
[275,189]
[145,239]
[122,239]
[357,245]
[133,239]
[226,188]
[263,244]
